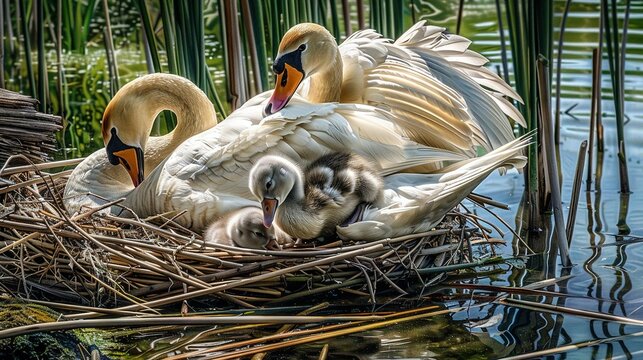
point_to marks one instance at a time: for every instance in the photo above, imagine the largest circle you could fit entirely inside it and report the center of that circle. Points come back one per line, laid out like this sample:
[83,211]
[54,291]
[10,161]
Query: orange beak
[133,163]
[287,83]
[269,208]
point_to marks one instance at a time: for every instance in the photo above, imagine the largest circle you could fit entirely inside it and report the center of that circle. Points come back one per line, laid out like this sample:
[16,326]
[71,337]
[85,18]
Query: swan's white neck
[325,85]
[194,112]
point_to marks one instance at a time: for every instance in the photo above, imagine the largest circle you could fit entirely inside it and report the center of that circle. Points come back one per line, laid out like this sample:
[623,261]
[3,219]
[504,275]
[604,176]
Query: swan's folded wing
[302,132]
[419,207]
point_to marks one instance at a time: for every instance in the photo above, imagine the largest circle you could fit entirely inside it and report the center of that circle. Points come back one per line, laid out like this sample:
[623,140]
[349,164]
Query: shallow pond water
[606,249]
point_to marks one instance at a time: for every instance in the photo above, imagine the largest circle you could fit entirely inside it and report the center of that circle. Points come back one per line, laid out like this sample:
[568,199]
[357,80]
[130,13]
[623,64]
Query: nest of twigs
[25,130]
[108,261]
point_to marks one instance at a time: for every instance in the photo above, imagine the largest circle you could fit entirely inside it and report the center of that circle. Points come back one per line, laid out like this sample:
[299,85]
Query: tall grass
[522,27]
[24,24]
[77,16]
[43,85]
[616,59]
[110,52]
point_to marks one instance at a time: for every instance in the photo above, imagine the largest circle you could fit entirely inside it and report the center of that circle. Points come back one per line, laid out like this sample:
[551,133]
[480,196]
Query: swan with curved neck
[206,176]
[427,79]
[129,117]
[127,122]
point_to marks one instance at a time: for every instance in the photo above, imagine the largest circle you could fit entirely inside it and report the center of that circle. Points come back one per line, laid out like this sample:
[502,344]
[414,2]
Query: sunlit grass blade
[503,43]
[559,58]
[334,16]
[257,15]
[458,23]
[360,14]
[169,35]
[551,168]
[43,86]
[87,17]
[522,40]
[148,33]
[110,52]
[235,64]
[398,18]
[251,49]
[346,17]
[616,59]
[24,22]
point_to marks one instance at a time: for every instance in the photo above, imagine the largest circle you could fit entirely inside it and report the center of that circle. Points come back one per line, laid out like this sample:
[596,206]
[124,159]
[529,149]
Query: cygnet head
[272,179]
[247,230]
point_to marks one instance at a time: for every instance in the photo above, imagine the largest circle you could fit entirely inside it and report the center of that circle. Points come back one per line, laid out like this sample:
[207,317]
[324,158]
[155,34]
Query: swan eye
[269,184]
[259,234]
[302,47]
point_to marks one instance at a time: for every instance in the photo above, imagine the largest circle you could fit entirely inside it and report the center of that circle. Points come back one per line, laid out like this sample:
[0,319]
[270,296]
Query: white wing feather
[417,202]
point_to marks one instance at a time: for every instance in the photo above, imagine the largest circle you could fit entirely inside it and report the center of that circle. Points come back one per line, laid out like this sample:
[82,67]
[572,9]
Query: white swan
[134,108]
[207,174]
[427,78]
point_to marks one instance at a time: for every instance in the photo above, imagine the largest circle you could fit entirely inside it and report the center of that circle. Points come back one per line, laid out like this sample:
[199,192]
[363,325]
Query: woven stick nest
[24,130]
[106,261]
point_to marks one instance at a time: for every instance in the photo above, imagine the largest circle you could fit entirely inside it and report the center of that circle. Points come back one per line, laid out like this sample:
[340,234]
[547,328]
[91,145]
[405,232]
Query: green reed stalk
[62,95]
[215,96]
[87,18]
[291,9]
[169,35]
[276,33]
[257,24]
[600,141]
[24,22]
[503,44]
[559,57]
[374,16]
[314,11]
[347,17]
[335,20]
[616,59]
[398,17]
[360,14]
[148,33]
[550,163]
[458,23]
[323,6]
[593,115]
[43,86]
[382,18]
[523,56]
[573,201]
[78,15]
[109,50]
[249,73]
[251,47]
[235,64]
[387,17]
